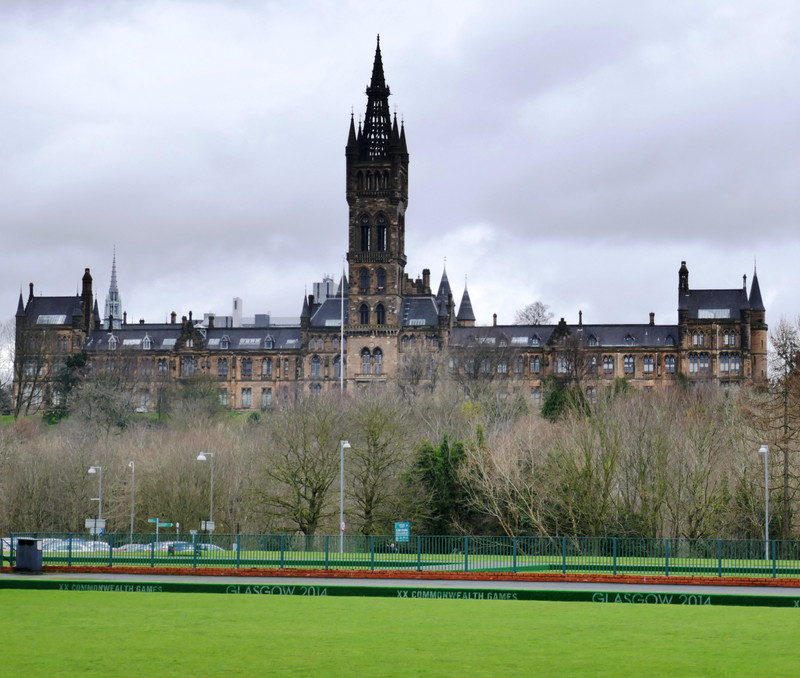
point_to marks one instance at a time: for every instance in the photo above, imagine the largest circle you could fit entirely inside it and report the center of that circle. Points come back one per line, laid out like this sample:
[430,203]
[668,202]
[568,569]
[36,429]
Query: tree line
[450,454]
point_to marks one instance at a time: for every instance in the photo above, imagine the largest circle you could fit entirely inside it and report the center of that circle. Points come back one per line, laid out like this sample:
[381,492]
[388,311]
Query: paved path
[419,583]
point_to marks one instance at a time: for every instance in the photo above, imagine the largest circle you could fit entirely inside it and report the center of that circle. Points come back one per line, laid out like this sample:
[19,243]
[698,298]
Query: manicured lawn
[130,634]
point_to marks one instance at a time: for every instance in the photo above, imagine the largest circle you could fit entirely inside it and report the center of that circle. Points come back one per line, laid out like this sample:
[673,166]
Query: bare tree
[304,462]
[378,457]
[537,313]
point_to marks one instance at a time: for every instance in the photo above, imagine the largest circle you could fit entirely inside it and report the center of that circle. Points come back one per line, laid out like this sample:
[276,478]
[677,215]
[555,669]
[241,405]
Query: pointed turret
[306,312]
[342,286]
[466,316]
[443,295]
[352,139]
[756,304]
[20,306]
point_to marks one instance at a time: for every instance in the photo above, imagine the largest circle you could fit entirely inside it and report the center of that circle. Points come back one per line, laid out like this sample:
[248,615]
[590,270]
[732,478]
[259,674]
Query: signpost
[402,531]
[158,523]
[95,525]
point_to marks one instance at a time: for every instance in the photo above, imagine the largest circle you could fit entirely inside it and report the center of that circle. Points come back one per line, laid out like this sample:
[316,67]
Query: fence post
[563,555]
[111,552]
[466,554]
[614,546]
[283,537]
[719,555]
[515,554]
[194,550]
[152,550]
[372,552]
[327,550]
[69,551]
[666,557]
[419,553]
[238,550]
[774,560]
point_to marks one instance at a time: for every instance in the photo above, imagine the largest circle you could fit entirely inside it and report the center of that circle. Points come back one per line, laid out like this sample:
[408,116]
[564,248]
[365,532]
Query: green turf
[100,634]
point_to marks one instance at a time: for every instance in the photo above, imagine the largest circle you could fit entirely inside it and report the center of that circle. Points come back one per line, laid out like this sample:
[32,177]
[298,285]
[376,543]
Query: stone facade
[387,326]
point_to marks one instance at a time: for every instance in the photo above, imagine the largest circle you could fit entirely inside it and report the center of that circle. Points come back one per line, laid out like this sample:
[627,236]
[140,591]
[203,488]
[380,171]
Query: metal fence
[561,555]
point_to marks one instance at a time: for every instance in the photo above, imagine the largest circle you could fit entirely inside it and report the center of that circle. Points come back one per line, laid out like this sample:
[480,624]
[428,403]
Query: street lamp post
[209,456]
[133,478]
[764,449]
[342,445]
[99,498]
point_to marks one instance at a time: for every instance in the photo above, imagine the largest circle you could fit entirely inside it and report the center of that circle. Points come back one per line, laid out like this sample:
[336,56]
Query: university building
[378,324]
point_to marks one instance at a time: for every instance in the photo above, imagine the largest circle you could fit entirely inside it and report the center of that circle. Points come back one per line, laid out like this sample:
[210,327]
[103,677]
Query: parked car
[133,548]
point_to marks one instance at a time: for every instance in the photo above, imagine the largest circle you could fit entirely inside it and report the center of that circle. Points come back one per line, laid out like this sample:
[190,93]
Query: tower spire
[377,121]
[113,310]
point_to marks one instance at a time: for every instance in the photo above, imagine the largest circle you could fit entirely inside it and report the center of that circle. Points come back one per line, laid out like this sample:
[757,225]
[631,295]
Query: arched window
[225,342]
[316,367]
[648,364]
[360,181]
[365,234]
[378,360]
[381,279]
[535,365]
[222,367]
[380,313]
[265,367]
[337,367]
[518,365]
[363,280]
[382,246]
[669,364]
[405,341]
[363,312]
[269,342]
[724,361]
[628,364]
[365,361]
[608,364]
[247,367]
[269,367]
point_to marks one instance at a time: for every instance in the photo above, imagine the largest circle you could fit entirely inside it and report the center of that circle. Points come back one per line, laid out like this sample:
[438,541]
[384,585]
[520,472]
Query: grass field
[126,634]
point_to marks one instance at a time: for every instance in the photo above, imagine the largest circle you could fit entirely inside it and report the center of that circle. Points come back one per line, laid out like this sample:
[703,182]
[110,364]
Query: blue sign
[402,531]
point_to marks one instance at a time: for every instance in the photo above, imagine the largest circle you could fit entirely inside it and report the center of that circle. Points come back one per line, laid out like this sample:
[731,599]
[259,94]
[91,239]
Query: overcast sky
[572,152]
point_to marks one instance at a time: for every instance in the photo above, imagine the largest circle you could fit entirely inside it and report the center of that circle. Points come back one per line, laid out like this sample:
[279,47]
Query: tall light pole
[764,449]
[342,445]
[209,456]
[133,478]
[99,498]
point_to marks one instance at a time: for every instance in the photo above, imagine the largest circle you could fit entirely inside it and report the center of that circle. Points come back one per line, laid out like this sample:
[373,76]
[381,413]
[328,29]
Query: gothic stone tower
[377,193]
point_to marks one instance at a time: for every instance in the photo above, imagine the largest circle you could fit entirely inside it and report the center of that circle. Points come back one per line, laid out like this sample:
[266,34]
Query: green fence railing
[562,555]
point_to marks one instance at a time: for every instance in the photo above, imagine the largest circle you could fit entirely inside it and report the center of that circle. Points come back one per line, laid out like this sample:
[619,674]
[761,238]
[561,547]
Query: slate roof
[719,304]
[533,336]
[163,337]
[419,311]
[329,313]
[53,310]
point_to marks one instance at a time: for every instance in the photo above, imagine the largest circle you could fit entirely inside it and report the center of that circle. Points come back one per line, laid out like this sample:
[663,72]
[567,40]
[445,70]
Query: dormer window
[535,340]
[629,340]
[189,343]
[592,340]
[147,343]
[269,342]
[112,342]
[225,343]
